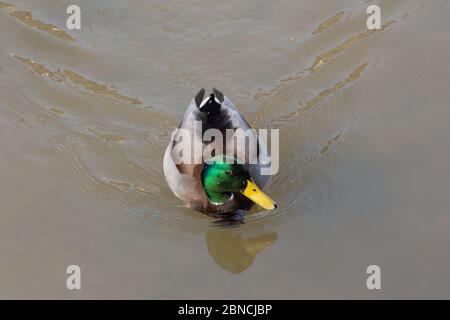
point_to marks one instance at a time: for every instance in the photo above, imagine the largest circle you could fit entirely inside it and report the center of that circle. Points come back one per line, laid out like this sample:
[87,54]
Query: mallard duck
[216,186]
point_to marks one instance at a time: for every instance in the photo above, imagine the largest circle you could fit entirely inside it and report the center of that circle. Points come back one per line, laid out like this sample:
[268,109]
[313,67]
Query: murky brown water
[85,117]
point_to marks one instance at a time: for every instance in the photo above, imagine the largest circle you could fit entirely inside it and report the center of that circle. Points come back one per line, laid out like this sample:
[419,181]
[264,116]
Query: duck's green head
[222,178]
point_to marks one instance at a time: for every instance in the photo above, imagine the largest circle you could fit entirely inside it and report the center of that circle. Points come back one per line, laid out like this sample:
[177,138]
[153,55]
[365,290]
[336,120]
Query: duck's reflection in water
[235,249]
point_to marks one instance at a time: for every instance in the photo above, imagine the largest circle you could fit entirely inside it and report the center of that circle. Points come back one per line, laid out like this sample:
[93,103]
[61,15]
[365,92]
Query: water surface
[85,117]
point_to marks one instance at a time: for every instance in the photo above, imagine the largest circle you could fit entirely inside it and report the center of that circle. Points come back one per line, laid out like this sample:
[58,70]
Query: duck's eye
[231,173]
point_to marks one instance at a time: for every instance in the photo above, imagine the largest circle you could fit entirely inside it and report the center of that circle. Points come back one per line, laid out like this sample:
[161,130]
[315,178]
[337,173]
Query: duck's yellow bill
[257,196]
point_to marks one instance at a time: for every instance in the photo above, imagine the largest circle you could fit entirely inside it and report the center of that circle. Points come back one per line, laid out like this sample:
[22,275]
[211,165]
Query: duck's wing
[183,180]
[237,121]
